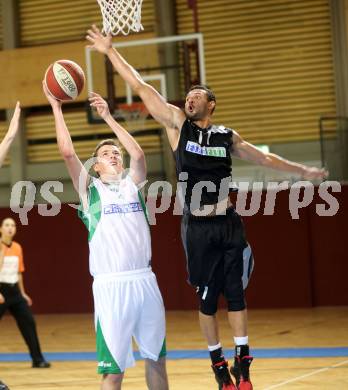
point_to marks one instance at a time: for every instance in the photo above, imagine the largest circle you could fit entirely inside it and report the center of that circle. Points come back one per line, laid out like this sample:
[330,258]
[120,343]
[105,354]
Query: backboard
[170,64]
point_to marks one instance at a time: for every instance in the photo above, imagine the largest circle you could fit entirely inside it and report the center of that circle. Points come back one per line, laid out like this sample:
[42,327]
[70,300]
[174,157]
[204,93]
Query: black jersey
[205,154]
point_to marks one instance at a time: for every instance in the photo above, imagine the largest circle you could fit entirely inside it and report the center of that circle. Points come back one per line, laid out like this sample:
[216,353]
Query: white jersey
[119,234]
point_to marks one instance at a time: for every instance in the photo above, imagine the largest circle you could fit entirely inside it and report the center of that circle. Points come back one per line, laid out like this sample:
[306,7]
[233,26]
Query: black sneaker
[41,364]
[3,386]
[222,376]
[240,371]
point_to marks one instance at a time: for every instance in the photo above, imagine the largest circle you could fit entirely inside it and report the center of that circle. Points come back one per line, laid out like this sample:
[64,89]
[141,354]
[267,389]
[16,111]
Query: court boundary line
[306,375]
[259,353]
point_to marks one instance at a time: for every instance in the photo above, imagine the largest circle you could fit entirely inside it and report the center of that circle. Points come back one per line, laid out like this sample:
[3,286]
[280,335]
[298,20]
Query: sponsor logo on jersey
[104,364]
[210,151]
[133,207]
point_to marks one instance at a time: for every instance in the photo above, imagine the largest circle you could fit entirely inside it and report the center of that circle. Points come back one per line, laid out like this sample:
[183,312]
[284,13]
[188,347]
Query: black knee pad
[236,305]
[234,293]
[208,302]
[208,309]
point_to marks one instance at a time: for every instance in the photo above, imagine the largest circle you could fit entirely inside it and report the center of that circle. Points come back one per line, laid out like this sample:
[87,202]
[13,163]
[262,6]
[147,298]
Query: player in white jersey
[4,147]
[127,300]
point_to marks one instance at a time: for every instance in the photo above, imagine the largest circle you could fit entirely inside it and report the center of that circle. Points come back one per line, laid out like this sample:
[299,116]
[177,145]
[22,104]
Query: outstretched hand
[312,173]
[53,102]
[99,42]
[100,104]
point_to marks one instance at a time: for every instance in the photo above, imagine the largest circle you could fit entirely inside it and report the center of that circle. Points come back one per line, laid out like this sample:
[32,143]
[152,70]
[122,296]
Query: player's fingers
[17,110]
[91,40]
[322,172]
[92,34]
[97,104]
[94,95]
[95,29]
[96,101]
[44,87]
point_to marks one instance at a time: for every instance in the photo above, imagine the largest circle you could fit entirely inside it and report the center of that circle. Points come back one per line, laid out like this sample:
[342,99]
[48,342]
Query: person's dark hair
[210,94]
[106,142]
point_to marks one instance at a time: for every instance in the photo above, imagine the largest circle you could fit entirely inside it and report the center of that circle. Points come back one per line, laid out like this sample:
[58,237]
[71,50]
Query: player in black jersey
[212,232]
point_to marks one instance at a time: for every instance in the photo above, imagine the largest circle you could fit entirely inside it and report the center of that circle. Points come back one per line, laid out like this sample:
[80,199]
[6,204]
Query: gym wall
[270,64]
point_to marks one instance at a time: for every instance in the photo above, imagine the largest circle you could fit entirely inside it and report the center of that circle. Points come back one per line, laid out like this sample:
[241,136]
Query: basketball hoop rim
[133,112]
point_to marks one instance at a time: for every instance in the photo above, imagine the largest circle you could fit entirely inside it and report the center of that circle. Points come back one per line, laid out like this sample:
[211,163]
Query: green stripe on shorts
[106,363]
[163,350]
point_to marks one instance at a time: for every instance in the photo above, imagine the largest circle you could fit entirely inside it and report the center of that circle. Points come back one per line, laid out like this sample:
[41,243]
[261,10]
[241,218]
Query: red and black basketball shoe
[222,376]
[240,371]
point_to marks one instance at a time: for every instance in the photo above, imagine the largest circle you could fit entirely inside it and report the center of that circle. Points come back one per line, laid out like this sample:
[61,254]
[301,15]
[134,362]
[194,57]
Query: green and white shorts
[128,305]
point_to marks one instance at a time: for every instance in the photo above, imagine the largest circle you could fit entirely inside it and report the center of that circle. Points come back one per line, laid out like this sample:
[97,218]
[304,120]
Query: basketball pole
[110,85]
[192,4]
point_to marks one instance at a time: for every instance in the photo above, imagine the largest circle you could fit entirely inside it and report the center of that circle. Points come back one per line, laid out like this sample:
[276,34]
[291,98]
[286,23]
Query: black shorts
[219,259]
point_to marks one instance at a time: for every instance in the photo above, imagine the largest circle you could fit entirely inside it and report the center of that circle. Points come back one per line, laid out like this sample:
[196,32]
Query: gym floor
[294,349]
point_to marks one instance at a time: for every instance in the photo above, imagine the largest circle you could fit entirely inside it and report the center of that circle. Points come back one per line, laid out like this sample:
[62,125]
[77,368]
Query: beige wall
[23,69]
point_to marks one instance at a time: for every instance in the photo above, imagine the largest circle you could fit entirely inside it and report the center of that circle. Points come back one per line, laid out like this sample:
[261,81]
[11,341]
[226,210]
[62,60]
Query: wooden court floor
[314,328]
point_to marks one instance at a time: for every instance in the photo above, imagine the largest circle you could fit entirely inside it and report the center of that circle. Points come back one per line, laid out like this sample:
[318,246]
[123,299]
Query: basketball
[64,80]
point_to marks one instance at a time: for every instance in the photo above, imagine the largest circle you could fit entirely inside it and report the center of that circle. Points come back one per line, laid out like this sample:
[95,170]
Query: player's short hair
[107,142]
[210,94]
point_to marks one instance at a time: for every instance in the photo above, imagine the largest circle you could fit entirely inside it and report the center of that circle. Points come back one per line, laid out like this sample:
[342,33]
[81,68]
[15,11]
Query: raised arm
[246,151]
[137,158]
[66,148]
[171,117]
[11,133]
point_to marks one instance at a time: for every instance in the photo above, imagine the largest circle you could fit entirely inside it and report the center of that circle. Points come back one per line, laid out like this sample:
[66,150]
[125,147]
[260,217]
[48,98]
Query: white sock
[212,348]
[241,340]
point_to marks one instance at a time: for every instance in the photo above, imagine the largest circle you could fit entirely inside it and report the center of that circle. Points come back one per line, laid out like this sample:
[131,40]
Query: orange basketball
[64,80]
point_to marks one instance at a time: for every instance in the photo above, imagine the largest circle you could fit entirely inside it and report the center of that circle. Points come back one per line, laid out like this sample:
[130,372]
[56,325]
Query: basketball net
[121,16]
[134,115]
